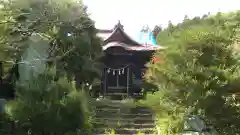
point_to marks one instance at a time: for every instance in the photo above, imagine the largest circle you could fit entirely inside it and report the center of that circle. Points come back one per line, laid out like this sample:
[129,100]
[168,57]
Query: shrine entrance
[117,80]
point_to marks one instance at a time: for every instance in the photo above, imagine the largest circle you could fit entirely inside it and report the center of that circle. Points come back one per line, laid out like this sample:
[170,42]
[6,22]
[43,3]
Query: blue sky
[133,14]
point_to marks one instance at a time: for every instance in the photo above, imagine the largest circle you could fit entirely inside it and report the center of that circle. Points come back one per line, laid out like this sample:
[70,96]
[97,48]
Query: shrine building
[124,60]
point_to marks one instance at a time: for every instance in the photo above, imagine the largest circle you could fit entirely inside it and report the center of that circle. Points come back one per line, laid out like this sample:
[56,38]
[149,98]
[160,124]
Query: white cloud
[133,14]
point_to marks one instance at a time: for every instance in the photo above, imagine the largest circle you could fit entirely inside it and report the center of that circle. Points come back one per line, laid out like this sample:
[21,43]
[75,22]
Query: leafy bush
[45,107]
[198,76]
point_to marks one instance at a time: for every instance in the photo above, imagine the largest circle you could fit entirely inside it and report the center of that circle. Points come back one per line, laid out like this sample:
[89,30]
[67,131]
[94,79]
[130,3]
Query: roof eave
[124,33]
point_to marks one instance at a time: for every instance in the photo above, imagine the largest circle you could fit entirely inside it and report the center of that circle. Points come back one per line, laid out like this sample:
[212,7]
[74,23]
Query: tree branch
[46,60]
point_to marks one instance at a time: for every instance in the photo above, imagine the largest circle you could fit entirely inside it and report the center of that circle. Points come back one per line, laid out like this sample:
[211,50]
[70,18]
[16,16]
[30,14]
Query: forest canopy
[199,74]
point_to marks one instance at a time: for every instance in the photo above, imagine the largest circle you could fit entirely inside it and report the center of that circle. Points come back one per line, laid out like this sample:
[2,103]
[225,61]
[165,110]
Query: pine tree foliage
[199,74]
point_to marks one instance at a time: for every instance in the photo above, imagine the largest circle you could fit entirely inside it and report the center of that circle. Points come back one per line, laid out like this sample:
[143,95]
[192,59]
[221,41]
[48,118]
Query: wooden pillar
[128,81]
[130,78]
[104,82]
[1,72]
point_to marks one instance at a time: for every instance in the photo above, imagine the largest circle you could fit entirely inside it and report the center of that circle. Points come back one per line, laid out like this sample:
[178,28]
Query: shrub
[47,107]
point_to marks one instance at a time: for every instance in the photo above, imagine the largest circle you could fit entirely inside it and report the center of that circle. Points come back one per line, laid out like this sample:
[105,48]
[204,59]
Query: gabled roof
[118,35]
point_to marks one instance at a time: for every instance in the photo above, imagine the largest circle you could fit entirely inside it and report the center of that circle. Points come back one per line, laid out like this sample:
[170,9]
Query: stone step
[124,131]
[120,105]
[123,115]
[115,94]
[141,110]
[123,122]
[124,119]
[116,90]
[108,106]
[108,111]
[111,102]
[124,125]
[124,134]
[130,110]
[112,106]
[136,121]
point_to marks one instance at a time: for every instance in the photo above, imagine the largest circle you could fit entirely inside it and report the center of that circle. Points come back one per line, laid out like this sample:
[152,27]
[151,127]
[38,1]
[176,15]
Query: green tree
[65,24]
[157,29]
[170,26]
[199,75]
[186,18]
[44,105]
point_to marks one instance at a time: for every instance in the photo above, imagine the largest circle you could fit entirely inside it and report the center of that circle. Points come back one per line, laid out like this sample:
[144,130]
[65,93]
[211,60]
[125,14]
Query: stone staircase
[117,117]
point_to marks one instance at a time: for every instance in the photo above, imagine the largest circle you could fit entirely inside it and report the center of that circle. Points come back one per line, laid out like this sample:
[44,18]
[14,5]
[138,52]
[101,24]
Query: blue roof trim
[146,38]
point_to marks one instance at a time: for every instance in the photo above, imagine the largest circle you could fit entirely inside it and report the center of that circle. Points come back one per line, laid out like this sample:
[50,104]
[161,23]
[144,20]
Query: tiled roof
[132,48]
[117,37]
